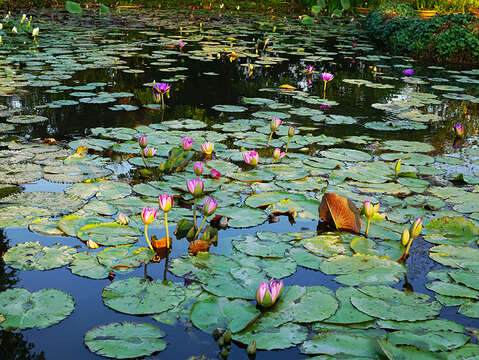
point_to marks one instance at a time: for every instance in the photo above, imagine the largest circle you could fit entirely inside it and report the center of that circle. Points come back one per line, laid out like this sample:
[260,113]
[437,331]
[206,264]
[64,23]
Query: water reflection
[8,276]
[13,346]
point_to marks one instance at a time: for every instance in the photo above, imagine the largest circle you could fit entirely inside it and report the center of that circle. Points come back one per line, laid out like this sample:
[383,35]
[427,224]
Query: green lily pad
[244,216]
[461,257]
[229,108]
[109,234]
[33,256]
[267,198]
[213,312]
[346,155]
[272,338]
[448,289]
[125,340]
[431,340]
[23,309]
[347,313]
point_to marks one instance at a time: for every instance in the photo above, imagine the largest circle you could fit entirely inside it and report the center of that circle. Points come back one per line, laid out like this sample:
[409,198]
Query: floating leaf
[341,212]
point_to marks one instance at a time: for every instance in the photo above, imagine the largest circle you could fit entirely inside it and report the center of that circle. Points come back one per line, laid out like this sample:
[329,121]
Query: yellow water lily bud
[397,167]
[416,228]
[91,244]
[405,237]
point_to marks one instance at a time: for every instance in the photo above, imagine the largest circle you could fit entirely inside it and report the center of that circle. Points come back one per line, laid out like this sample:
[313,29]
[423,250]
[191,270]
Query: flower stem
[166,228]
[367,227]
[287,144]
[408,246]
[324,91]
[270,136]
[199,229]
[162,101]
[144,160]
[147,238]
[194,213]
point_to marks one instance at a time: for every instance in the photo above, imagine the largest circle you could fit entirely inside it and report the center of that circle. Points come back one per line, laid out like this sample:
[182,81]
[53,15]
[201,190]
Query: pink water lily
[161,88]
[209,207]
[325,76]
[181,44]
[251,157]
[149,152]
[277,154]
[195,187]
[148,215]
[215,174]
[291,131]
[275,123]
[187,143]
[408,72]
[207,148]
[166,202]
[268,294]
[142,142]
[198,168]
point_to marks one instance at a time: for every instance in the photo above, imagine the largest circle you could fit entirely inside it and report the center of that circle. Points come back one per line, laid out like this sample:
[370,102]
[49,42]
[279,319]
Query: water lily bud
[227,336]
[207,148]
[215,174]
[416,228]
[122,219]
[166,202]
[198,168]
[275,123]
[291,131]
[368,209]
[397,167]
[35,32]
[405,237]
[187,143]
[149,152]
[209,207]
[142,142]
[24,17]
[14,30]
[267,294]
[251,349]
[251,157]
[148,215]
[195,187]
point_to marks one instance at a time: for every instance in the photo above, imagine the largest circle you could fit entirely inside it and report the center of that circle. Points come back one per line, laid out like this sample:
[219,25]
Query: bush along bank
[447,40]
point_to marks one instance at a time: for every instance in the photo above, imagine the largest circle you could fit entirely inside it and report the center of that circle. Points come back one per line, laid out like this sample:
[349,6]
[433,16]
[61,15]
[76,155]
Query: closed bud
[227,336]
[416,228]
[405,237]
[251,349]
[397,167]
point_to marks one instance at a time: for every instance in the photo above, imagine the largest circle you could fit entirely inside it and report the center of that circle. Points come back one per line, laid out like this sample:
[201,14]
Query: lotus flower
[215,174]
[148,215]
[325,76]
[122,219]
[161,88]
[166,202]
[458,130]
[209,207]
[198,168]
[251,157]
[187,143]
[149,152]
[195,187]
[309,70]
[277,154]
[143,142]
[267,294]
[207,148]
[408,72]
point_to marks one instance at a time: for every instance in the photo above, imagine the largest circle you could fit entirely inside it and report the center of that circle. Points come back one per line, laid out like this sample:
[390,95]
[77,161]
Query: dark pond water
[74,52]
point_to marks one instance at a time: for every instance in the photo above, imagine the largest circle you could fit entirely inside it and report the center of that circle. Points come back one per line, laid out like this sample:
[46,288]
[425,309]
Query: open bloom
[267,294]
[251,157]
[198,168]
[142,142]
[166,202]
[325,76]
[458,130]
[209,207]
[187,143]
[181,44]
[161,88]
[277,154]
[207,148]
[215,174]
[148,215]
[275,123]
[195,186]
[149,152]
[309,70]
[408,72]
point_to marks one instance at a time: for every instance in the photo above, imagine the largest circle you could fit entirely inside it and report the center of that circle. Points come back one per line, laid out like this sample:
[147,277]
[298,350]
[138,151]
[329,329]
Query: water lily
[14,30]
[166,203]
[122,219]
[181,44]
[413,232]
[369,212]
[142,142]
[408,72]
[416,228]
[277,154]
[251,157]
[326,77]
[290,135]
[458,130]
[355,43]
[187,143]
[405,237]
[198,168]
[149,152]
[35,32]
[274,125]
[215,174]
[148,215]
[209,207]
[207,148]
[24,17]
[397,168]
[161,89]
[309,70]
[195,187]
[268,294]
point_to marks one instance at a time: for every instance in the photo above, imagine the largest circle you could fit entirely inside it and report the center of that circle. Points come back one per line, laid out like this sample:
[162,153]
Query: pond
[78,283]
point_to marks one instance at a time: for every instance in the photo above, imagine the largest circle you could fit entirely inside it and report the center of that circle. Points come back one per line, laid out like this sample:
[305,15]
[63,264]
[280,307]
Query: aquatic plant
[326,77]
[458,130]
[207,148]
[122,219]
[369,211]
[277,154]
[148,215]
[309,70]
[142,142]
[209,208]
[198,168]
[251,157]
[149,152]
[166,202]
[397,168]
[274,125]
[269,293]
[195,187]
[408,237]
[408,72]
[290,136]
[215,174]
[187,143]
[160,90]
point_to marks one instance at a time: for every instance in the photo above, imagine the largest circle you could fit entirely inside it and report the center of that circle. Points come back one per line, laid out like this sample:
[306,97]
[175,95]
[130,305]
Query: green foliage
[396,9]
[73,7]
[449,38]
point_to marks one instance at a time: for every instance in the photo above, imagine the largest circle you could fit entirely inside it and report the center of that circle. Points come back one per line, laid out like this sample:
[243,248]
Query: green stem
[143,158]
[287,144]
[166,228]
[194,213]
[162,101]
[199,229]
[147,238]
[367,227]
[324,91]
[409,246]
[270,136]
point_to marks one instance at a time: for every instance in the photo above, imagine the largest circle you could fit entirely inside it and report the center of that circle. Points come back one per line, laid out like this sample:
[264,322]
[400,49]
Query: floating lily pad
[109,234]
[229,108]
[125,340]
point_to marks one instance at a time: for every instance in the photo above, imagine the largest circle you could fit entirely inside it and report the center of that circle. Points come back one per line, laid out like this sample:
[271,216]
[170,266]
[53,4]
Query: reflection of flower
[187,143]
[207,148]
[166,202]
[215,174]
[195,186]
[458,130]
[267,294]
[408,72]
[309,70]
[198,168]
[251,157]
